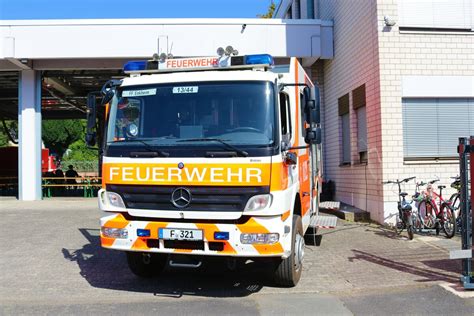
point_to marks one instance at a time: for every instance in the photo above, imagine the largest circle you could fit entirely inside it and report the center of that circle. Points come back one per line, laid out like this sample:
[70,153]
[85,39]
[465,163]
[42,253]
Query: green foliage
[58,135]
[270,12]
[3,138]
[78,151]
[11,129]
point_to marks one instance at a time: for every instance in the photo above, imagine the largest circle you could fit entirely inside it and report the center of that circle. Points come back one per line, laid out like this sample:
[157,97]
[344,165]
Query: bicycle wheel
[448,221]
[410,231]
[399,225]
[427,214]
[455,202]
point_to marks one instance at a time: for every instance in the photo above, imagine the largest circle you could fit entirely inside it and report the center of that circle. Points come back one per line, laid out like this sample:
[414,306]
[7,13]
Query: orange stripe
[140,244]
[279,179]
[106,241]
[297,102]
[253,227]
[117,222]
[209,230]
[191,174]
[285,215]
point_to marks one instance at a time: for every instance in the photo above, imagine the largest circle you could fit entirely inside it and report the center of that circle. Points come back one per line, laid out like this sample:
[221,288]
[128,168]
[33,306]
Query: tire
[399,226]
[449,221]
[455,204]
[288,271]
[417,225]
[146,265]
[427,214]
[410,231]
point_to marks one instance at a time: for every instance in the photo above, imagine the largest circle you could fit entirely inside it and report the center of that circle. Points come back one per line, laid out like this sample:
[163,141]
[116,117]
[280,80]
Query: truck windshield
[239,113]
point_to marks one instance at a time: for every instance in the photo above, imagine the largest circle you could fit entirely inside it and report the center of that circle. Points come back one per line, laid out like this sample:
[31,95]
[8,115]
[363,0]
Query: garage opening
[68,167]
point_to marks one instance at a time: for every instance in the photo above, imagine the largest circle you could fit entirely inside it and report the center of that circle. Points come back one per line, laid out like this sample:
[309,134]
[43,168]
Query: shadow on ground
[427,274]
[108,269]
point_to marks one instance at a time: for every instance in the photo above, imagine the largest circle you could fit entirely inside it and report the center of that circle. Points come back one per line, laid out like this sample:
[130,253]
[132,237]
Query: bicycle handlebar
[408,179]
[398,181]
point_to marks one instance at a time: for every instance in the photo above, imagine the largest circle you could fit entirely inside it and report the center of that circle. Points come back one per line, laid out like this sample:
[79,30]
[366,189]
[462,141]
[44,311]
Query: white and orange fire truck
[214,156]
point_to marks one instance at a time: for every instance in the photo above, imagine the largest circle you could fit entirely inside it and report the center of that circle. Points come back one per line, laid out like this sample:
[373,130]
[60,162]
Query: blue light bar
[261,59]
[221,235]
[135,65]
[143,232]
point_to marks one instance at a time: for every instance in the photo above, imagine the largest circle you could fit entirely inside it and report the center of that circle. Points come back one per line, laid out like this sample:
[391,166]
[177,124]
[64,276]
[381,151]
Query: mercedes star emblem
[181,197]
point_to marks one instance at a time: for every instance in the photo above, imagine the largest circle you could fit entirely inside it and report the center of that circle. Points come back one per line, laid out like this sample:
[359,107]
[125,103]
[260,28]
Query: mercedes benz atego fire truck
[209,156]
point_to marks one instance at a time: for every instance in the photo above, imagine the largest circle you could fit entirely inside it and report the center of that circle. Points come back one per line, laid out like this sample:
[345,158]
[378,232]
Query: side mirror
[313,136]
[312,112]
[91,136]
[109,94]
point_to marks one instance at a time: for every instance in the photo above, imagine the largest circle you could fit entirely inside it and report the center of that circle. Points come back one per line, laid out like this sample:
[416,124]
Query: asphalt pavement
[51,262]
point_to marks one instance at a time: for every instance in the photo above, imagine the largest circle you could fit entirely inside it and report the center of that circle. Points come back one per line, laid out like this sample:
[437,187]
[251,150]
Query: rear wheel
[146,265]
[449,221]
[400,225]
[427,214]
[288,271]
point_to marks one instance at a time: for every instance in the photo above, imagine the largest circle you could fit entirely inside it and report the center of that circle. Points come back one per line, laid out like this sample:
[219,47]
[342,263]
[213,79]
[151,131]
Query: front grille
[205,198]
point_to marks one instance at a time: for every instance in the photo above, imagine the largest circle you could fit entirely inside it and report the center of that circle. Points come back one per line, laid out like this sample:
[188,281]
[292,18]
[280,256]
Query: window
[297,11]
[343,104]
[432,126]
[241,113]
[302,114]
[285,116]
[358,102]
[289,13]
[436,14]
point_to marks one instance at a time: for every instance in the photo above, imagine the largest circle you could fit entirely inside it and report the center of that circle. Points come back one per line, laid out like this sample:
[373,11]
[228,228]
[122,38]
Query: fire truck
[209,156]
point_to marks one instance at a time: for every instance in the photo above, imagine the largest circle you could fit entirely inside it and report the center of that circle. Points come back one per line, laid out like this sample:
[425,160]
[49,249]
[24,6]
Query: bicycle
[455,200]
[434,217]
[405,217]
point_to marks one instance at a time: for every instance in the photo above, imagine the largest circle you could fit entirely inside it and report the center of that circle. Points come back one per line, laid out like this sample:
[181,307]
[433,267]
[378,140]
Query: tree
[58,135]
[270,12]
[8,132]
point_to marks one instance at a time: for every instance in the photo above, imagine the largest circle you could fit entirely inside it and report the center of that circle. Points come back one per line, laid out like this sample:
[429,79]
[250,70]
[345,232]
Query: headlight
[258,202]
[115,199]
[121,233]
[270,238]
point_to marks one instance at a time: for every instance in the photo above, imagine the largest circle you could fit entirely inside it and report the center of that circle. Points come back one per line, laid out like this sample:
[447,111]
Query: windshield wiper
[150,153]
[237,150]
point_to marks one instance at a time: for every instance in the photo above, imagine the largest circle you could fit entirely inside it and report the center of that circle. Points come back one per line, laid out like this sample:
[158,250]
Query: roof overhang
[94,44]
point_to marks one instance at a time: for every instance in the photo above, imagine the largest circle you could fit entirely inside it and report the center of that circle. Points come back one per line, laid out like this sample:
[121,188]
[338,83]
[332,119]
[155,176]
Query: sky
[103,9]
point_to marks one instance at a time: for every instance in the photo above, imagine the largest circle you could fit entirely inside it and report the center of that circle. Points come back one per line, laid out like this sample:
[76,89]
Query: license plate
[180,234]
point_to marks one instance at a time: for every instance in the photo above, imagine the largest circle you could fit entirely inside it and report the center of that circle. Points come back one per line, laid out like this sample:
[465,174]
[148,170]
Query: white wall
[355,63]
[53,39]
[427,57]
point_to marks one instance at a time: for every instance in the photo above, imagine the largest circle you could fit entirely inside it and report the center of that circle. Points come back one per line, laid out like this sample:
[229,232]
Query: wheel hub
[299,251]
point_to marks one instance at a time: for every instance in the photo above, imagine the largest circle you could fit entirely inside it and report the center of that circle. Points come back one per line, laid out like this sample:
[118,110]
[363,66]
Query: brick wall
[355,63]
[423,54]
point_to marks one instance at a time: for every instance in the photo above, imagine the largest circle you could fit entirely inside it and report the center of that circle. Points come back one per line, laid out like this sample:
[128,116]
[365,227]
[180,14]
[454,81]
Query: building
[396,96]
[47,67]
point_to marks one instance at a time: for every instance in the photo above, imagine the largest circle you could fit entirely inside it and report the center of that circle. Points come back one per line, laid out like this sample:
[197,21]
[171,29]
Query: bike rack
[466,172]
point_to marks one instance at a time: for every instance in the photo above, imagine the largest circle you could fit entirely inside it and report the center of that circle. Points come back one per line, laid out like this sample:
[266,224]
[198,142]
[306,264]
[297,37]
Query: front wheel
[410,231]
[288,271]
[427,214]
[146,265]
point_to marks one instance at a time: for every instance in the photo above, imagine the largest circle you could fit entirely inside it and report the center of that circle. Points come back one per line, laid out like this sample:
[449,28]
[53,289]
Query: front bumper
[209,246]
